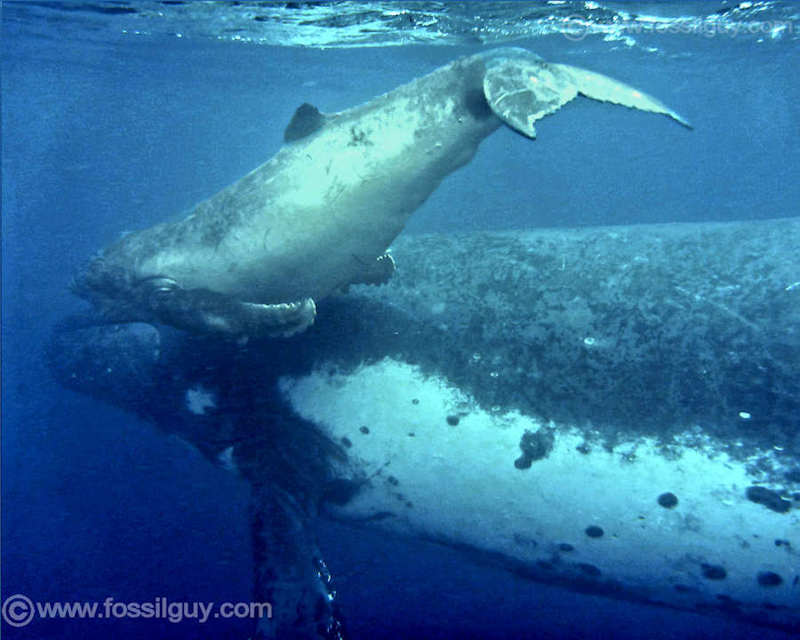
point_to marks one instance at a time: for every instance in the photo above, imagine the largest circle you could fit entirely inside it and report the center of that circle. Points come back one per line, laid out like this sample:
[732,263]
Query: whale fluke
[599,87]
[522,91]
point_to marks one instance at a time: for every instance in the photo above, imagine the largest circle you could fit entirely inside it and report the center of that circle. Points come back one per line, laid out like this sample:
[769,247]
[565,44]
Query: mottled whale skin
[321,213]
[490,423]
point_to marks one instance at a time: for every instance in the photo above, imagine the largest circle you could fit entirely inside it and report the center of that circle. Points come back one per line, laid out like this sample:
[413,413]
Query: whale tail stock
[521,89]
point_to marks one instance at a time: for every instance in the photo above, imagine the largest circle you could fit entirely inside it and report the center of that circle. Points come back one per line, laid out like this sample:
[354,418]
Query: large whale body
[611,410]
[320,214]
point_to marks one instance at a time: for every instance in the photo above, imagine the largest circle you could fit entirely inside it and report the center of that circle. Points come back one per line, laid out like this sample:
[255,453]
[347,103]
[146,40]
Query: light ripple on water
[380,24]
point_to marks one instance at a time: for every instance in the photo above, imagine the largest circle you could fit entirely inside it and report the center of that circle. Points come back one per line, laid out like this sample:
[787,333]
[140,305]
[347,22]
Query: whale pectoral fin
[278,320]
[378,272]
[206,311]
[599,87]
[522,91]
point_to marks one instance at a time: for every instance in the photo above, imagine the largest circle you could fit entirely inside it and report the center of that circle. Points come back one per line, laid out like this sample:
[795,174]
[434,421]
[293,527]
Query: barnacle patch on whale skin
[535,445]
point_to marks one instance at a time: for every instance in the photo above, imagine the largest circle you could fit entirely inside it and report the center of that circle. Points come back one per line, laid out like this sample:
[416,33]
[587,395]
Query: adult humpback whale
[321,213]
[618,415]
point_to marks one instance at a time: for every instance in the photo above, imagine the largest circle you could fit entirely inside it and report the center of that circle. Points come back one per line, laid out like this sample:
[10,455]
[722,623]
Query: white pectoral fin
[599,87]
[522,91]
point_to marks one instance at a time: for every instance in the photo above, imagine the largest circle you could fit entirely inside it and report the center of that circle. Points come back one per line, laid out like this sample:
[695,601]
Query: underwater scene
[386,320]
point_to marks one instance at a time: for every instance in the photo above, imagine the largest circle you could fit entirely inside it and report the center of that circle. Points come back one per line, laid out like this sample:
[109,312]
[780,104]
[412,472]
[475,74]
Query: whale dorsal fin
[522,91]
[305,121]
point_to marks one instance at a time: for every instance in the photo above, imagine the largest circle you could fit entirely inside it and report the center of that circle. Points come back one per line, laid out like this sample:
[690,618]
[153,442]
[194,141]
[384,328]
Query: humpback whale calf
[320,215]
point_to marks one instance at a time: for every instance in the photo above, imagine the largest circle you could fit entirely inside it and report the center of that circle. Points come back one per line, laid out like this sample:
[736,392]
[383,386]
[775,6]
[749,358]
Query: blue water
[107,133]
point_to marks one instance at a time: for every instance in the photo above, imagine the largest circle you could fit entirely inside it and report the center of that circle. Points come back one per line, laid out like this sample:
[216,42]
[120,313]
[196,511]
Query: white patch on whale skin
[458,482]
[198,399]
[227,461]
